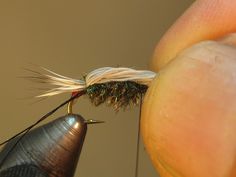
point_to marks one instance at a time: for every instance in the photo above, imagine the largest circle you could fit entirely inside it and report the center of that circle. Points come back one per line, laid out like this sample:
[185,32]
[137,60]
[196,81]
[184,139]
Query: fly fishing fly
[118,87]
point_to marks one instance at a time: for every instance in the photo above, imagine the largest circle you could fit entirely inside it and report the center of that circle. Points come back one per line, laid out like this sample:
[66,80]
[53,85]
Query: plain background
[72,38]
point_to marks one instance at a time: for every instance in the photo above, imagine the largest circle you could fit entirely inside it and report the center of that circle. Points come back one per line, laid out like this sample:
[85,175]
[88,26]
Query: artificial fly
[117,87]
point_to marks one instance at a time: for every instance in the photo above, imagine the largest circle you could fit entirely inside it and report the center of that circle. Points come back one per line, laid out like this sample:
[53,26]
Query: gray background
[72,38]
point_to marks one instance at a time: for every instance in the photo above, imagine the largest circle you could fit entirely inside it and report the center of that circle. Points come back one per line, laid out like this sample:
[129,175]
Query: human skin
[189,113]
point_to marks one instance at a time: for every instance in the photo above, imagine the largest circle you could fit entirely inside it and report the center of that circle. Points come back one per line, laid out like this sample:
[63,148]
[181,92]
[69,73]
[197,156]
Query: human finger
[204,20]
[188,116]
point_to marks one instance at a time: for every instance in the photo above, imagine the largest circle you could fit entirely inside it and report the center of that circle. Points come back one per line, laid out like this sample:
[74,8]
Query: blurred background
[73,38]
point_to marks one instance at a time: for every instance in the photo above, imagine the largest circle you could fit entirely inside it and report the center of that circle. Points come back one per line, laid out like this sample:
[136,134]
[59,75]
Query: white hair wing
[108,74]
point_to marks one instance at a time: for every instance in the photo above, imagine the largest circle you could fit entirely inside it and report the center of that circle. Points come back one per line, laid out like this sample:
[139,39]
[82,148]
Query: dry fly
[117,87]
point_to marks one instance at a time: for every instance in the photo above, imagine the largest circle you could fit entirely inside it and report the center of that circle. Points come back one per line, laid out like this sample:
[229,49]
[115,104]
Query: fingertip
[204,20]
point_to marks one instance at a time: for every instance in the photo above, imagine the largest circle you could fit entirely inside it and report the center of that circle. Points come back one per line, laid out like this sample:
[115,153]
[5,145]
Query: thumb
[188,115]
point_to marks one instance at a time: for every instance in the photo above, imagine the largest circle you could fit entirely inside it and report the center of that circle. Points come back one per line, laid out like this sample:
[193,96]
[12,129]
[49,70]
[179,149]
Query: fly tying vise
[118,87]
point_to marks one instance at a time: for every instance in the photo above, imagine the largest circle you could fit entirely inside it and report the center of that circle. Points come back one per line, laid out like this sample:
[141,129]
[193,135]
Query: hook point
[91,121]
